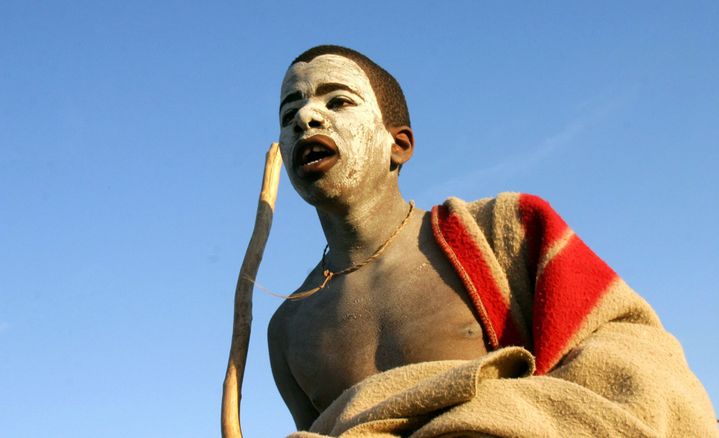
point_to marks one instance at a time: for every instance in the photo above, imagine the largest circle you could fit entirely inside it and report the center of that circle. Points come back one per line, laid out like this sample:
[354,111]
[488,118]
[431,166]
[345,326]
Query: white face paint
[349,114]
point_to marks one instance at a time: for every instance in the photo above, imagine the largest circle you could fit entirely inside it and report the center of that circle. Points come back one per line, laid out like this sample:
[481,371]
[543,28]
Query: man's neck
[356,232]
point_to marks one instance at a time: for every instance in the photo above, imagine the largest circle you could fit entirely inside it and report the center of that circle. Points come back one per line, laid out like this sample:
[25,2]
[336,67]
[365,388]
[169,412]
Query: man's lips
[313,156]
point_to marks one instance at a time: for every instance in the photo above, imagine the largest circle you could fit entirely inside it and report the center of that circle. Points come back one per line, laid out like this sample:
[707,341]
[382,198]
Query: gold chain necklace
[328,274]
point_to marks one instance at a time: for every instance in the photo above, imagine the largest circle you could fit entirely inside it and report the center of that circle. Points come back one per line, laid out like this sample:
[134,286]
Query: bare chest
[407,309]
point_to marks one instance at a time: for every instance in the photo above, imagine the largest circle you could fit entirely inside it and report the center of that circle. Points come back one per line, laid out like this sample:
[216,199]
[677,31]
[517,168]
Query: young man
[403,297]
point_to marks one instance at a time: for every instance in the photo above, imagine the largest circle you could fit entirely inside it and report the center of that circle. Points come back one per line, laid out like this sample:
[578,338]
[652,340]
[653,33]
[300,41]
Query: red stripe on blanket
[542,227]
[567,290]
[469,262]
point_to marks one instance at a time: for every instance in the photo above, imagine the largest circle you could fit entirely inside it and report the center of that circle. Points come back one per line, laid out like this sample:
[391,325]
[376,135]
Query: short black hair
[389,94]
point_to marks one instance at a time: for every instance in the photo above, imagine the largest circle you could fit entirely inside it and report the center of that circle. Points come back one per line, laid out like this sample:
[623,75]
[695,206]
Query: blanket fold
[407,398]
[624,380]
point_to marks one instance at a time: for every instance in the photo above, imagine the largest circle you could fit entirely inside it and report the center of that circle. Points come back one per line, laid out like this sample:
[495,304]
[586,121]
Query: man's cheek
[286,150]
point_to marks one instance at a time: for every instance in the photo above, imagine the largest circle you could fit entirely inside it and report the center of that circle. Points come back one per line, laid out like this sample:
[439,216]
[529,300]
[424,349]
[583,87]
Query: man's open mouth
[313,156]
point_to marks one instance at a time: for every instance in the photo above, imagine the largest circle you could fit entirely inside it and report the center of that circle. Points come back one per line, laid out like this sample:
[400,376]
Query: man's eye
[339,102]
[288,116]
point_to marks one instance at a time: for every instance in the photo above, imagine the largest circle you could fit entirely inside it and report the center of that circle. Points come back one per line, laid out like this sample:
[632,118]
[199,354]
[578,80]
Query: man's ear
[403,146]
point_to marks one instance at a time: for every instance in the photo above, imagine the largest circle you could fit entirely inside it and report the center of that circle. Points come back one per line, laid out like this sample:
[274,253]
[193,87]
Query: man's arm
[300,406]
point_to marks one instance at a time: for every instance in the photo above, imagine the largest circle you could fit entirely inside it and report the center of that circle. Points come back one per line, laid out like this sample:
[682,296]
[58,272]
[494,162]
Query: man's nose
[308,117]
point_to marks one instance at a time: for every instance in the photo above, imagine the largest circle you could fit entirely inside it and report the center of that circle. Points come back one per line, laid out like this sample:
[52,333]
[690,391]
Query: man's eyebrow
[329,87]
[297,95]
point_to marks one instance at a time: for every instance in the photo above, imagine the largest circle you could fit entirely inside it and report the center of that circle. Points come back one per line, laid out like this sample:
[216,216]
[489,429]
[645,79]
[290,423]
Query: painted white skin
[352,119]
[358,199]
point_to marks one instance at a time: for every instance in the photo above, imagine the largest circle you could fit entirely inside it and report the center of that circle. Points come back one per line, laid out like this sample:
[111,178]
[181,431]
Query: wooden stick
[232,387]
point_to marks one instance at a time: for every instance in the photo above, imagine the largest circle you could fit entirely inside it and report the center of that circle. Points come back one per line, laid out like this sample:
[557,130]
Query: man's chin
[311,185]
[318,189]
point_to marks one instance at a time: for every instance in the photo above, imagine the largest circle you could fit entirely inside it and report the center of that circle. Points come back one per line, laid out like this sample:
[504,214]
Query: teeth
[314,148]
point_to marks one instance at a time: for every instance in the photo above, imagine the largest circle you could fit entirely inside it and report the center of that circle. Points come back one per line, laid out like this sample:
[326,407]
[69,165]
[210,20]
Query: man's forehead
[304,76]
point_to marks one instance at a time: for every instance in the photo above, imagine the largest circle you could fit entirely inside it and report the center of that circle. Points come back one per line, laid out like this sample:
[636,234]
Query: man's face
[333,141]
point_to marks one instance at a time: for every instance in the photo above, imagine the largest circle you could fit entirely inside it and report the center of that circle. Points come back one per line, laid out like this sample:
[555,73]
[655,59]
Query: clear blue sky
[132,137]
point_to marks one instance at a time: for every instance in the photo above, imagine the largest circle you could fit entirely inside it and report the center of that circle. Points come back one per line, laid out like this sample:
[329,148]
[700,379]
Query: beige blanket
[604,390]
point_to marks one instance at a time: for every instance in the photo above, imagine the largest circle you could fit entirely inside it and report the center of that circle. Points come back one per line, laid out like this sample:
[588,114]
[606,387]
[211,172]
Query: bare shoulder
[281,319]
[300,406]
[277,327]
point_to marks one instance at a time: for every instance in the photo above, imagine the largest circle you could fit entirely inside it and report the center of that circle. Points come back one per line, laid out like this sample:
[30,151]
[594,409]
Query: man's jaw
[314,156]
